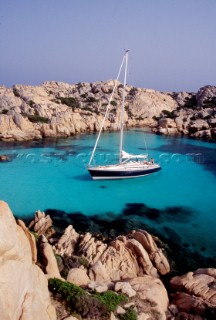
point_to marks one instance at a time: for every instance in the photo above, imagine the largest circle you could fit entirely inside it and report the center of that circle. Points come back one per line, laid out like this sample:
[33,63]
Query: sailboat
[129,165]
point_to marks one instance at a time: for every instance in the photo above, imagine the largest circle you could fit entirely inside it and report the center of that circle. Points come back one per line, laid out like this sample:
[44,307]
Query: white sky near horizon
[172,43]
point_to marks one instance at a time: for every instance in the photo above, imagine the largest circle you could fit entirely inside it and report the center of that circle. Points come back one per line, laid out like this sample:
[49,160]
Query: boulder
[99,287]
[79,277]
[24,289]
[156,255]
[212,122]
[31,240]
[119,261]
[142,257]
[181,98]
[167,126]
[151,297]
[49,260]
[125,288]
[198,125]
[205,94]
[98,273]
[4,158]
[206,134]
[195,292]
[91,248]
[67,243]
[41,224]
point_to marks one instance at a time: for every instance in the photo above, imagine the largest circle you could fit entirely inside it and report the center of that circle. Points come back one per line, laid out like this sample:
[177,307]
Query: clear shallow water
[178,202]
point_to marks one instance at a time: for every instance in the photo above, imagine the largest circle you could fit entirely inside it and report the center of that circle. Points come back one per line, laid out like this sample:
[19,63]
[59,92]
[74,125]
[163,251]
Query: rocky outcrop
[42,224]
[195,293]
[195,115]
[151,298]
[67,243]
[49,260]
[57,109]
[125,257]
[132,264]
[24,291]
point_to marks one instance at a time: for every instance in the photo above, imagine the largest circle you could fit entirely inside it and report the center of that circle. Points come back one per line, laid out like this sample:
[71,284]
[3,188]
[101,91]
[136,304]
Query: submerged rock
[4,158]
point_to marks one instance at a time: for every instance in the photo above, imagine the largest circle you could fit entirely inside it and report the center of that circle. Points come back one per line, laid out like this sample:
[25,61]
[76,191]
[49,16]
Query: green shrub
[91,306]
[35,235]
[130,314]
[111,299]
[84,95]
[91,99]
[139,118]
[84,262]
[190,102]
[113,103]
[168,114]
[36,118]
[210,103]
[133,91]
[66,290]
[4,111]
[70,101]
[155,118]
[31,103]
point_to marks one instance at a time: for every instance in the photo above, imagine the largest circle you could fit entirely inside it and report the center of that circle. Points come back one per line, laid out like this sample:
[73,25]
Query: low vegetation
[130,314]
[91,306]
[70,102]
[210,103]
[111,299]
[191,102]
[36,119]
[168,114]
[4,111]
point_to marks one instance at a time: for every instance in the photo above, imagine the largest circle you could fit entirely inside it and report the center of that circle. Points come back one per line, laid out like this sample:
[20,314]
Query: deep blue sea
[178,202]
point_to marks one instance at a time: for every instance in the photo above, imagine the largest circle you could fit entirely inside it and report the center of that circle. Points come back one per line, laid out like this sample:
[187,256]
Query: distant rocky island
[48,274]
[56,109]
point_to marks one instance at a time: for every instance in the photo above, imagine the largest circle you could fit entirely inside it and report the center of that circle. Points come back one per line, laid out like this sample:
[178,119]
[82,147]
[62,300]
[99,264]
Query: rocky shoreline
[56,109]
[48,274]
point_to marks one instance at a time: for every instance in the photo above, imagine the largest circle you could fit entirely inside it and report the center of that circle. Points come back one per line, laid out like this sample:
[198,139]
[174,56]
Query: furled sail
[126,155]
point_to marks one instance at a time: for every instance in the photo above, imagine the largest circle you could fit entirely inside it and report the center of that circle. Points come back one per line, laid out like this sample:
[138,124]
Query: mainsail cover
[126,155]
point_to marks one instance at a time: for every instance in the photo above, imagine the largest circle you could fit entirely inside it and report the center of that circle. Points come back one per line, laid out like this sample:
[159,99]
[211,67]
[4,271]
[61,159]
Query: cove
[178,202]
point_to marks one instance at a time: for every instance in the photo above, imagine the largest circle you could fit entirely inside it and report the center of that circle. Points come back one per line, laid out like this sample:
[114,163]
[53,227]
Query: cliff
[24,292]
[57,109]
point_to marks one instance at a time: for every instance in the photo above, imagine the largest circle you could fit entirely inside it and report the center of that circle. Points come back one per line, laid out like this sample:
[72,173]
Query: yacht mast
[106,113]
[123,109]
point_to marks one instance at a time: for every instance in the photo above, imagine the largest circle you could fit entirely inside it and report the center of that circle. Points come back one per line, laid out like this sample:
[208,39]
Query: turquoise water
[179,200]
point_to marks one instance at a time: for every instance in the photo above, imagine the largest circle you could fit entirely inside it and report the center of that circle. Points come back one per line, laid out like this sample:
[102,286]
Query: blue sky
[172,42]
